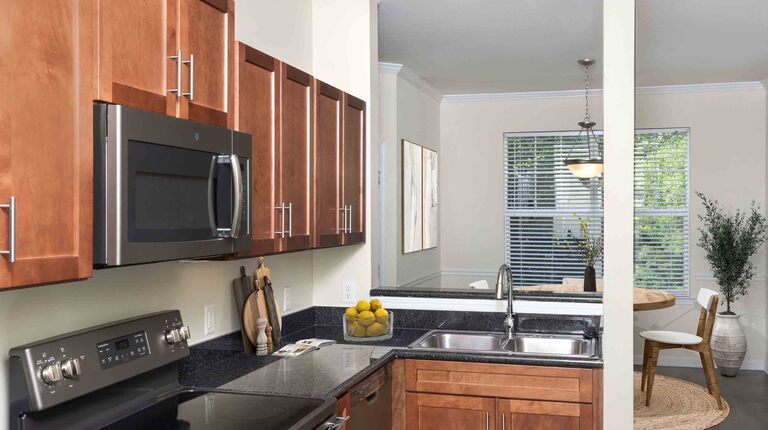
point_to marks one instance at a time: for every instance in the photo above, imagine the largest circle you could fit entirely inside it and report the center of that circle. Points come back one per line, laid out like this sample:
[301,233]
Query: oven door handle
[211,203]
[237,186]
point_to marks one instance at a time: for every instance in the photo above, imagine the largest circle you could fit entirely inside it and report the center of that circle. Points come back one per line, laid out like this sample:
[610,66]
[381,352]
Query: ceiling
[483,46]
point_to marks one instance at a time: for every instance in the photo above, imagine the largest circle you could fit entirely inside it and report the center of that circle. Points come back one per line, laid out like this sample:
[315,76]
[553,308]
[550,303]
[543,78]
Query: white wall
[727,162]
[410,110]
[286,30]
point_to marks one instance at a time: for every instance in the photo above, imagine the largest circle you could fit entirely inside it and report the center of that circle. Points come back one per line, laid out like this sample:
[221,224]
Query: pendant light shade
[592,166]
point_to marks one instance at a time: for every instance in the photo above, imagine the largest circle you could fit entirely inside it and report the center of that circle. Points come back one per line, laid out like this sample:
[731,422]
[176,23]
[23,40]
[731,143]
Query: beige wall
[727,162]
[285,30]
[412,113]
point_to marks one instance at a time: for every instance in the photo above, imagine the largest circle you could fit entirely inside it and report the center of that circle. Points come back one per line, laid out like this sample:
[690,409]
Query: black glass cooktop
[195,410]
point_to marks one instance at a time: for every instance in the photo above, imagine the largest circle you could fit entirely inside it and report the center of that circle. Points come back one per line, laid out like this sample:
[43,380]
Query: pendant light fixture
[592,166]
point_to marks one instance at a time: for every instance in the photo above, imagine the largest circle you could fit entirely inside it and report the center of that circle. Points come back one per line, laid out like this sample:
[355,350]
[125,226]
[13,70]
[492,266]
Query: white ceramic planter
[729,344]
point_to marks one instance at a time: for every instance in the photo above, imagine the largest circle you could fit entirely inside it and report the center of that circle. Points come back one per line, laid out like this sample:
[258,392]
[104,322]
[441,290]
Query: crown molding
[662,89]
[411,77]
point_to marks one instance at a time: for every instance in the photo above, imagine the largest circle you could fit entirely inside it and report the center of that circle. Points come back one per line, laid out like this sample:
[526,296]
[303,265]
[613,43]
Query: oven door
[170,189]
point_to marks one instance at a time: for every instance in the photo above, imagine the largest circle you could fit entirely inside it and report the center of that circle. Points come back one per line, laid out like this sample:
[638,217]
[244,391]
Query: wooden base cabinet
[46,141]
[438,411]
[535,415]
[483,396]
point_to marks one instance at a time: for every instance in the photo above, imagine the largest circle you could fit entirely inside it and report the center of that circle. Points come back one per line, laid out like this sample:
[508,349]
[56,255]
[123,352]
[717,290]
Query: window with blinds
[543,202]
[661,209]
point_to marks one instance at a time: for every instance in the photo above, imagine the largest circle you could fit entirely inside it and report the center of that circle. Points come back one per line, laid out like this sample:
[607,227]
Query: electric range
[124,375]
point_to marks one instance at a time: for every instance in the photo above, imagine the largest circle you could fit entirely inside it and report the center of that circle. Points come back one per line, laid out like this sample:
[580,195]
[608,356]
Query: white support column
[619,122]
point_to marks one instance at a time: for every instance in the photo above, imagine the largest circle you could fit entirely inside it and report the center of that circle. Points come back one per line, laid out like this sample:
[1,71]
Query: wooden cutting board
[242,288]
[251,314]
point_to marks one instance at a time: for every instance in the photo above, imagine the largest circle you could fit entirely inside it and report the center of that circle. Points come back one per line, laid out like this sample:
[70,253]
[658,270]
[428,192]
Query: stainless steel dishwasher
[371,402]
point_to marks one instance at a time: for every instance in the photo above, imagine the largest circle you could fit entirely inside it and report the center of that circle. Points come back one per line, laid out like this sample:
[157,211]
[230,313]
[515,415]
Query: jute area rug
[676,404]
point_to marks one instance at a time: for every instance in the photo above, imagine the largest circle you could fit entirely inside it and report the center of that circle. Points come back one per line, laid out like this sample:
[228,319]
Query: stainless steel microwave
[167,188]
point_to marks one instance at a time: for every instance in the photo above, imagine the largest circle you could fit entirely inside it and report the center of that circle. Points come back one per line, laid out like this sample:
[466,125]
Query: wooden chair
[656,340]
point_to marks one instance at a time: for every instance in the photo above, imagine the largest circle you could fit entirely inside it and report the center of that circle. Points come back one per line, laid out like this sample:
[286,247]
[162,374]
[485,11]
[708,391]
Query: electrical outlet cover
[349,292]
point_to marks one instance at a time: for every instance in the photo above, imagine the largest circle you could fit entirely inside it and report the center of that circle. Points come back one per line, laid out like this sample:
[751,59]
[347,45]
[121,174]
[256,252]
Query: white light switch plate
[286,299]
[210,327]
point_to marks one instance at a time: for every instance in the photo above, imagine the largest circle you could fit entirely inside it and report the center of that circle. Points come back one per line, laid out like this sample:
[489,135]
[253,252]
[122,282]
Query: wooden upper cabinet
[256,104]
[330,217]
[206,40]
[295,142]
[438,411]
[535,415]
[46,140]
[134,38]
[138,47]
[353,176]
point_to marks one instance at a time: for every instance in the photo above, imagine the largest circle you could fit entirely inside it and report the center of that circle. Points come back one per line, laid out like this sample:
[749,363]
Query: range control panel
[68,366]
[123,349]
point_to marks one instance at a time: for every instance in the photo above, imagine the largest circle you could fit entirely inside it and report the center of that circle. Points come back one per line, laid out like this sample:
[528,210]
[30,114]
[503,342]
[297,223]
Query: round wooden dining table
[647,300]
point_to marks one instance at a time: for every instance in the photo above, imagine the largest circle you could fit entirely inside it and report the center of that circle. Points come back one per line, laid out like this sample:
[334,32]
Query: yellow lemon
[363,306]
[351,312]
[376,305]
[366,318]
[376,329]
[381,315]
[357,330]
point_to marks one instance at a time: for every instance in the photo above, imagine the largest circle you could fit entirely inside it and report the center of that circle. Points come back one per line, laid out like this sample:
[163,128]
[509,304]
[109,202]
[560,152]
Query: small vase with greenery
[589,249]
[729,242]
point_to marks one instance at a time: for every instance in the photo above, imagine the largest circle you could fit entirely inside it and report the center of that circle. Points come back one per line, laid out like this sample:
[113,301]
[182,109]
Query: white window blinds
[661,209]
[543,200]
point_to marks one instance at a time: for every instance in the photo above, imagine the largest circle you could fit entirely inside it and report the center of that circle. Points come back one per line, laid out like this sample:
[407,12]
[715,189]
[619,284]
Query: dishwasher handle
[333,423]
[368,390]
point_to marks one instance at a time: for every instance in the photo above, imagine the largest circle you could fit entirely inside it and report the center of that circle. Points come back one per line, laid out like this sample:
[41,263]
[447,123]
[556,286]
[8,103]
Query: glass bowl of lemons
[367,322]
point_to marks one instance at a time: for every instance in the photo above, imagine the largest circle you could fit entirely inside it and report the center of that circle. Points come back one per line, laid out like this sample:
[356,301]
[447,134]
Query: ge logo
[197,136]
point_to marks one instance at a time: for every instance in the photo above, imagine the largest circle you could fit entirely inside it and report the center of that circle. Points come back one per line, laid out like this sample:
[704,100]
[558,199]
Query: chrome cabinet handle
[237,183]
[349,225]
[178,60]
[290,219]
[503,422]
[191,63]
[281,208]
[10,253]
[487,421]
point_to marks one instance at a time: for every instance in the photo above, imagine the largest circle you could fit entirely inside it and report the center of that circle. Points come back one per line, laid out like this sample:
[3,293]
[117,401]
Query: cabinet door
[46,139]
[135,40]
[256,101]
[329,216]
[207,40]
[354,169]
[439,411]
[295,168]
[536,415]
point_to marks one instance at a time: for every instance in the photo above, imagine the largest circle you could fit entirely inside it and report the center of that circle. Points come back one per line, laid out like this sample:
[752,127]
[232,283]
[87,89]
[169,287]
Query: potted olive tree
[729,242]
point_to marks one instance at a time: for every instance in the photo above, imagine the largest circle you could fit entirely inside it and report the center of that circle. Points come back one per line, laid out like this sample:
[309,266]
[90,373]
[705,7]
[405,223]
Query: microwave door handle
[237,185]
[211,203]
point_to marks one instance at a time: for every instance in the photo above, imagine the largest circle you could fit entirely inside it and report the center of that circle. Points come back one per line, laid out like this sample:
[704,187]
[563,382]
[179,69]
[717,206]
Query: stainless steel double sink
[550,345]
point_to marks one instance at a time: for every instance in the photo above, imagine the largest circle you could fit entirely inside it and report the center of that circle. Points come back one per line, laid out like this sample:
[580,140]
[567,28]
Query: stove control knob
[71,368]
[173,336]
[51,373]
[184,332]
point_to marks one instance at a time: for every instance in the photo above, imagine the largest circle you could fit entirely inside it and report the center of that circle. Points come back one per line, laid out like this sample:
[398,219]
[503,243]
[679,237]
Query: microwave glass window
[168,191]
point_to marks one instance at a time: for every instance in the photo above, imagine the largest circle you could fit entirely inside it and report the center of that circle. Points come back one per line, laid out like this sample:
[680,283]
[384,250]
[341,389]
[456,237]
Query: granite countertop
[447,292]
[331,370]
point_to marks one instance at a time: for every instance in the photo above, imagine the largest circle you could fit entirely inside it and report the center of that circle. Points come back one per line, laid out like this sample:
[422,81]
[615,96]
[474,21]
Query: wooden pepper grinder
[261,339]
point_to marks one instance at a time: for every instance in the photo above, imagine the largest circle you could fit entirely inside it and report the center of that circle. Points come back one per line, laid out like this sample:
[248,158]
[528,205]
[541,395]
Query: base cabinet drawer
[535,415]
[439,411]
[559,384]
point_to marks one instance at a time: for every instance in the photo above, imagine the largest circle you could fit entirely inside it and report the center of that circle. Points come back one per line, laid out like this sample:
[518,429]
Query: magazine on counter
[301,347]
